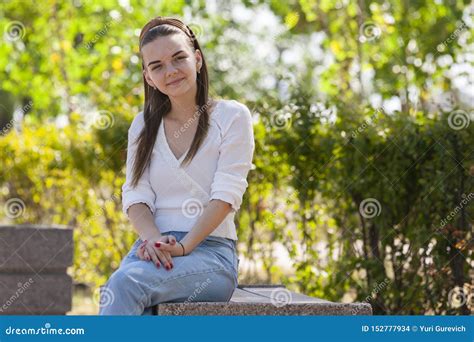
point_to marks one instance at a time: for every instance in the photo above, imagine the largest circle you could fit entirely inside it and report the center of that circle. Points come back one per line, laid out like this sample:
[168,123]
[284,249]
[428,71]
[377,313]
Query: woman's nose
[170,70]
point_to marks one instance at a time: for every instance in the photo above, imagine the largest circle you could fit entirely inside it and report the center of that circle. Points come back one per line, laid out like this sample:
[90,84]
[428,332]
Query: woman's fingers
[140,251]
[171,239]
[159,258]
[154,257]
[146,254]
[165,257]
[164,246]
[174,249]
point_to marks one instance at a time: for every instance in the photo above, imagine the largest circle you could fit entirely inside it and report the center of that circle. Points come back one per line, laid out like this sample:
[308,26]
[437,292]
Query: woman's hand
[149,252]
[172,247]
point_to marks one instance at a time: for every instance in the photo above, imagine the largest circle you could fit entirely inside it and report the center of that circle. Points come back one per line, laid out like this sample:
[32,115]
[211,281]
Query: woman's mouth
[175,83]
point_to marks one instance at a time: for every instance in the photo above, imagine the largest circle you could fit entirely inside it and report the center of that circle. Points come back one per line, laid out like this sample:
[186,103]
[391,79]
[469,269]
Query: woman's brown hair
[158,105]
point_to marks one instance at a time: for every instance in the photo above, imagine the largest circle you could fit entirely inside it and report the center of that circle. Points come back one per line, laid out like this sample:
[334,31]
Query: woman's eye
[176,58]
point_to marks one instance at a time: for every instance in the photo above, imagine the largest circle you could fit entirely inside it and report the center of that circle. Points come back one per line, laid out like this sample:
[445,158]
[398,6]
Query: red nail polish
[158,244]
[158,264]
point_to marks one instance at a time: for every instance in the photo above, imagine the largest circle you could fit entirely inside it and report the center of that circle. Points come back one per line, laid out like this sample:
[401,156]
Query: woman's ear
[148,79]
[198,56]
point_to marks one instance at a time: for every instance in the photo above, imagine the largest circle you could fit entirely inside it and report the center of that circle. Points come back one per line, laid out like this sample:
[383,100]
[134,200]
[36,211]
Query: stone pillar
[33,264]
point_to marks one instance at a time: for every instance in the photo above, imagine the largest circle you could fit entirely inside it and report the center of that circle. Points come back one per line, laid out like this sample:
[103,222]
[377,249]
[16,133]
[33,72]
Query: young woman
[187,163]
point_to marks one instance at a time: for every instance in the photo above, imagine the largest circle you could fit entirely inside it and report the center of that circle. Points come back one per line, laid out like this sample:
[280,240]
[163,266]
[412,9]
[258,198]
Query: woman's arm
[138,202]
[143,221]
[211,218]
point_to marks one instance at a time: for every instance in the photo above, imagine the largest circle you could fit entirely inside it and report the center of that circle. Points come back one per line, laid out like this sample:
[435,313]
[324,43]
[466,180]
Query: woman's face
[171,64]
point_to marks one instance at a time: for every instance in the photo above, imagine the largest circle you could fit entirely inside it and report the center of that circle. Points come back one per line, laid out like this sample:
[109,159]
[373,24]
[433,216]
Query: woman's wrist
[150,237]
[182,247]
[187,247]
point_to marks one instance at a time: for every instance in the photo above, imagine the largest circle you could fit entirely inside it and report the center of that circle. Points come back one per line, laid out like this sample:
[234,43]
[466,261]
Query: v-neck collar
[167,145]
[164,140]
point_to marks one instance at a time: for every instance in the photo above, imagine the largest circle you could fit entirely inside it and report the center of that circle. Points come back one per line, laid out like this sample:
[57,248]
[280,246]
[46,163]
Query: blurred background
[362,184]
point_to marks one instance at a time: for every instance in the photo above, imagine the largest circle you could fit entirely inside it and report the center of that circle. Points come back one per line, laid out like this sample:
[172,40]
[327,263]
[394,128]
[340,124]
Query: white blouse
[178,195]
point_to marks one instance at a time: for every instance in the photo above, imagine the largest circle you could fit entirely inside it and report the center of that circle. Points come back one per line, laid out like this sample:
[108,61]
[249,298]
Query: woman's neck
[183,107]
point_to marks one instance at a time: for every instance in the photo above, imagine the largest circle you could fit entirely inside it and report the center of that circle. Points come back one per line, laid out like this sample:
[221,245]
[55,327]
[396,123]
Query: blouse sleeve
[143,192]
[235,159]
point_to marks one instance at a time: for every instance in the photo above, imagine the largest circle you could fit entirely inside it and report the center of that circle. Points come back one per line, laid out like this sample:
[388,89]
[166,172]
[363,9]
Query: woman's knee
[124,280]
[122,293]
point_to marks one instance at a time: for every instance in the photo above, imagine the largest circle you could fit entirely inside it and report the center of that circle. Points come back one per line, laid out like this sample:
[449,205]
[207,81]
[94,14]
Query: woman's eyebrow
[158,61]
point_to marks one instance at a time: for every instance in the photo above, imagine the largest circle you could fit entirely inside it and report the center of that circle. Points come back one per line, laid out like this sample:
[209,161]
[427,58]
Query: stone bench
[264,300]
[33,264]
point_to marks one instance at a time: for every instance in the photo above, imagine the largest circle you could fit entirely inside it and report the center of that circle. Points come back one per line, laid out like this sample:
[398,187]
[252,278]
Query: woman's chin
[181,90]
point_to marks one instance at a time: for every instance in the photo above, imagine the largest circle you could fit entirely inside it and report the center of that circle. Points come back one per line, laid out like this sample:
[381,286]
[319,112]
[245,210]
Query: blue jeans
[207,274]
